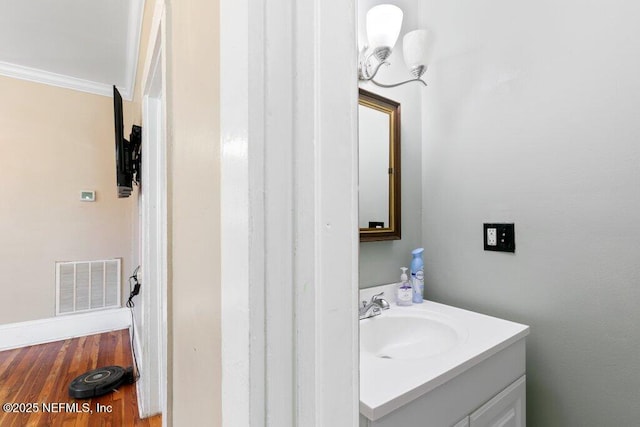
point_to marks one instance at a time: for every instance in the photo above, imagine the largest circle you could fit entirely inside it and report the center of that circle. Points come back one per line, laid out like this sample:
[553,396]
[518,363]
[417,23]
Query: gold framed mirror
[379,167]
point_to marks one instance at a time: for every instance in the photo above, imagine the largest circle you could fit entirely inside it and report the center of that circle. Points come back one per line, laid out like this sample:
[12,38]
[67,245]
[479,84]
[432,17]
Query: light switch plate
[499,237]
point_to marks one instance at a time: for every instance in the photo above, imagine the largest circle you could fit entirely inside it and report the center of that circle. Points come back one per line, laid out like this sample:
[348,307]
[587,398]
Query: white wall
[380,262]
[193,111]
[532,117]
[55,142]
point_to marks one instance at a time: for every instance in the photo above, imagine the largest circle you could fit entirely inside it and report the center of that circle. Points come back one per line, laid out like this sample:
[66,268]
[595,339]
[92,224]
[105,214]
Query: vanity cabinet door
[507,409]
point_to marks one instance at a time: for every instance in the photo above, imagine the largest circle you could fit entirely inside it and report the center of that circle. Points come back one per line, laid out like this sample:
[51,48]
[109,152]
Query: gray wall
[532,115]
[380,262]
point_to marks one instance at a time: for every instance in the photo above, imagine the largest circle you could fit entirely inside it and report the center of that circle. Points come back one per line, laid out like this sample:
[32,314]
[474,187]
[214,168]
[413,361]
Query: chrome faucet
[374,307]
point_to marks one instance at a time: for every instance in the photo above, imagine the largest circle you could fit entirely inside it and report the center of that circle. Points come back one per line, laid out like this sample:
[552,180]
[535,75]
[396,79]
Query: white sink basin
[406,352]
[409,336]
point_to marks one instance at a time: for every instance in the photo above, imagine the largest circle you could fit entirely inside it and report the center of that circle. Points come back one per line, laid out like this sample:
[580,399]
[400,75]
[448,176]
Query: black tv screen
[127,152]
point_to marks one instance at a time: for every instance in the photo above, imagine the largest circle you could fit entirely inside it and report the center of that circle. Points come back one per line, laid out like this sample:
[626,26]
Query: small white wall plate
[88,196]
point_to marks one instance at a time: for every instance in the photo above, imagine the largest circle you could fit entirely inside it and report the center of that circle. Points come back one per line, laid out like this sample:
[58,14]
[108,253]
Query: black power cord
[134,289]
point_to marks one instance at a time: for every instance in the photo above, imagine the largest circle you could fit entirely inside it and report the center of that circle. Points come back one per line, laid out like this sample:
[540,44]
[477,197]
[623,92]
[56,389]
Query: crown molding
[134,35]
[39,76]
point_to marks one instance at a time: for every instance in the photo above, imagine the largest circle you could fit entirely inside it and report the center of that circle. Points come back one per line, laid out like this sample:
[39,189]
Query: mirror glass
[379,167]
[374,163]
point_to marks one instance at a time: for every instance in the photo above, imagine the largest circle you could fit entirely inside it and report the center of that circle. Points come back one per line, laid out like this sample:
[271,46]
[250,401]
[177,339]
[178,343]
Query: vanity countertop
[464,339]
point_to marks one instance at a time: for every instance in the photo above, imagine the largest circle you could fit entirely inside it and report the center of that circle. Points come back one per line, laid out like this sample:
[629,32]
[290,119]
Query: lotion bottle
[405,292]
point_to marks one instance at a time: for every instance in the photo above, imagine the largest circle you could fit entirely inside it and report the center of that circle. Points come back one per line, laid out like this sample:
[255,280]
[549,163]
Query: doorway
[152,318]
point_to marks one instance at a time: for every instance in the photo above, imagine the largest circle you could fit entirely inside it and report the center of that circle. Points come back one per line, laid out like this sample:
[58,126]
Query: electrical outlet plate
[499,237]
[492,238]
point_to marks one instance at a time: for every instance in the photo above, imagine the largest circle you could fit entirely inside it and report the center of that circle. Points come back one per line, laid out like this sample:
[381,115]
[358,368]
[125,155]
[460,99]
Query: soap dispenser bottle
[417,275]
[405,292]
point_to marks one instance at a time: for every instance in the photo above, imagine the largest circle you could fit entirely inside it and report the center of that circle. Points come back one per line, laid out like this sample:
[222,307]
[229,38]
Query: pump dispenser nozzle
[405,292]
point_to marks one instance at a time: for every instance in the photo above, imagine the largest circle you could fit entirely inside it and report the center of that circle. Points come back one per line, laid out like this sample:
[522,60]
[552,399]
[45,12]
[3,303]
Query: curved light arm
[364,74]
[365,78]
[368,76]
[396,84]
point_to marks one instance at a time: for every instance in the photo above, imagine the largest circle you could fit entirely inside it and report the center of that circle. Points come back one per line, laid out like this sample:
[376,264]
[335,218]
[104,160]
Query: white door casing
[152,385]
[289,213]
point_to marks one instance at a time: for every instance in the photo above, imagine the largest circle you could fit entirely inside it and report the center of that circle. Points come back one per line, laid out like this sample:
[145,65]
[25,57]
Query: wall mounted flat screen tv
[127,151]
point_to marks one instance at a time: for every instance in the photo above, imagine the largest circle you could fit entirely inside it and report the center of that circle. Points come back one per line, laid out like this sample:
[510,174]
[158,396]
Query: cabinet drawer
[506,409]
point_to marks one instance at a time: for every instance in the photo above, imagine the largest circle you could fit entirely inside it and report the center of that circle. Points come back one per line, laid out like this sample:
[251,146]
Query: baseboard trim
[33,332]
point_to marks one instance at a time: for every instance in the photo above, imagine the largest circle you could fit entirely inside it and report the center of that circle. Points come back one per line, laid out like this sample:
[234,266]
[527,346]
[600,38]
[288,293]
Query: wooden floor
[37,378]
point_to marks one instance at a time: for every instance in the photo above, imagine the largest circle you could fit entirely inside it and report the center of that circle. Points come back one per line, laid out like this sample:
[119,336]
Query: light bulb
[383,26]
[415,47]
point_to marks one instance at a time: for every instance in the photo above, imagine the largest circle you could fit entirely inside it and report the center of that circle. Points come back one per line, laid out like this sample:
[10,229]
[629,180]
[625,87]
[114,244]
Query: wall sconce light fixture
[383,28]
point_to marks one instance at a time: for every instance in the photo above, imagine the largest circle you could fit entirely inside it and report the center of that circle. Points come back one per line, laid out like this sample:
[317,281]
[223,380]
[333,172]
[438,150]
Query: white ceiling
[87,45]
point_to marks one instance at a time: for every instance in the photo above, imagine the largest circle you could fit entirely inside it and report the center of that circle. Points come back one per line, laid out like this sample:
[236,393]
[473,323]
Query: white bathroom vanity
[432,365]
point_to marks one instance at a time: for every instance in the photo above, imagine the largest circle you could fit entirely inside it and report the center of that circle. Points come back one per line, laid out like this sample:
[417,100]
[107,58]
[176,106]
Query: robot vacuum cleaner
[100,381]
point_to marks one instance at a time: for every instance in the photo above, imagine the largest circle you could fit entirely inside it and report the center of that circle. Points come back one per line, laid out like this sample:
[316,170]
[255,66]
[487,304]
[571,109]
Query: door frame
[289,227]
[152,385]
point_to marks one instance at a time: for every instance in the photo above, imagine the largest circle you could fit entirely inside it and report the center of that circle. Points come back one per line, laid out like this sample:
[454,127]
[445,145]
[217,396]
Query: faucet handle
[381,302]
